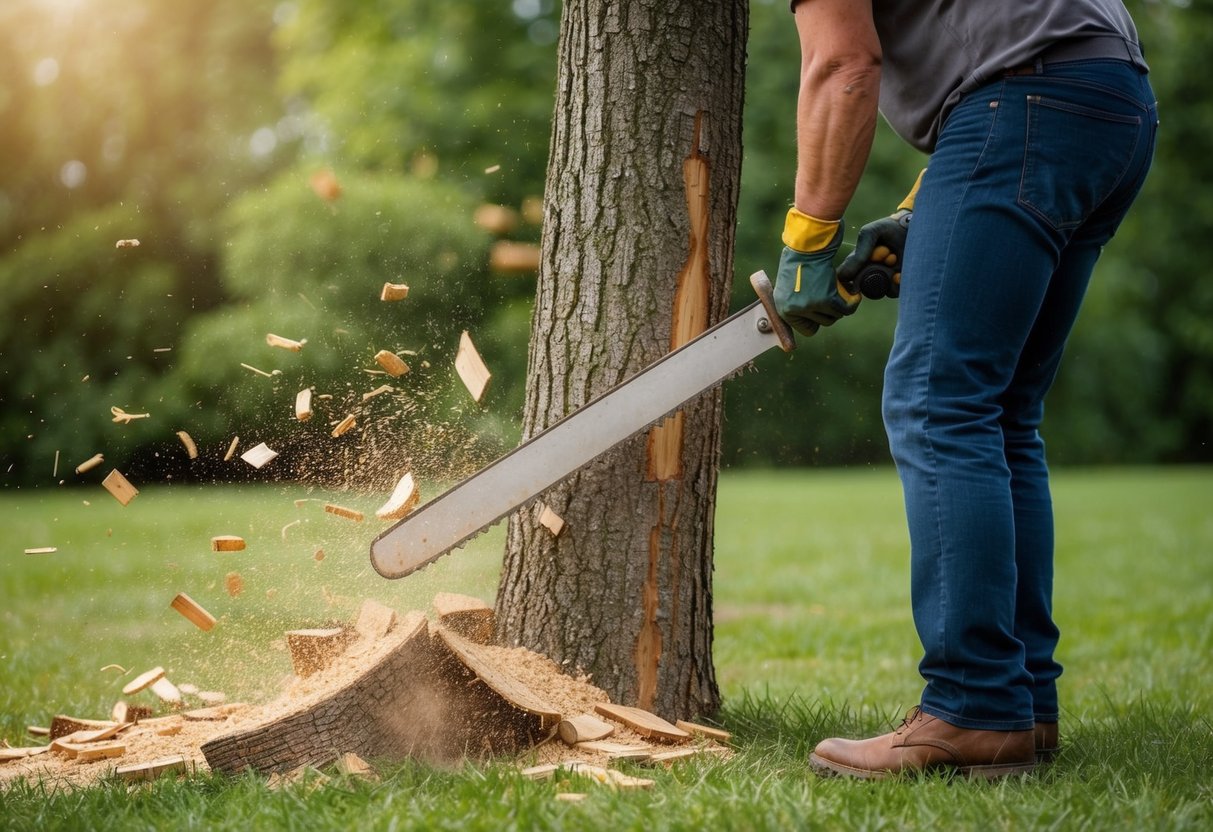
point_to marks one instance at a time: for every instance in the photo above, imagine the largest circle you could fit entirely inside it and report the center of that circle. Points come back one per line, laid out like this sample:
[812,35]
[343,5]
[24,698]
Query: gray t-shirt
[935,51]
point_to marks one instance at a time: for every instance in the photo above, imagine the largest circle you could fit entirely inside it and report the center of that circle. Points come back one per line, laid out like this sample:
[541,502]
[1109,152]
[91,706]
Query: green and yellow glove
[807,293]
[882,242]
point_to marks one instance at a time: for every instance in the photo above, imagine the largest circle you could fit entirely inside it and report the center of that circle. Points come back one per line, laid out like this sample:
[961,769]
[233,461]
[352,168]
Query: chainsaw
[456,516]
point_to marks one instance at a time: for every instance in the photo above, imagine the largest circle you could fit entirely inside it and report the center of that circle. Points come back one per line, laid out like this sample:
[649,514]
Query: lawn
[813,638]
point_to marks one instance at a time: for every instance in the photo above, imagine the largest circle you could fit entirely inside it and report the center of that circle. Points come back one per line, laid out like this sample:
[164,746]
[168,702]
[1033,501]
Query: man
[1040,123]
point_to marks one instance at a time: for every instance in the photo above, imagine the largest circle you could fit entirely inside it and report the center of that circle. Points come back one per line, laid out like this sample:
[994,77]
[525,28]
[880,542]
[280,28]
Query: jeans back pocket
[1075,158]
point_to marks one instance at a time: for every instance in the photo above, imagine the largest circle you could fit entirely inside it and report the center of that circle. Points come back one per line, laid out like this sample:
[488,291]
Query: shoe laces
[910,716]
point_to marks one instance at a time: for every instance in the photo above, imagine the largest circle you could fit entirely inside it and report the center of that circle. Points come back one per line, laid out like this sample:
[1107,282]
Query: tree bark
[640,207]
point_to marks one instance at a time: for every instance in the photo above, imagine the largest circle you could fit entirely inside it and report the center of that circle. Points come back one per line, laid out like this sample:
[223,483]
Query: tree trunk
[640,207]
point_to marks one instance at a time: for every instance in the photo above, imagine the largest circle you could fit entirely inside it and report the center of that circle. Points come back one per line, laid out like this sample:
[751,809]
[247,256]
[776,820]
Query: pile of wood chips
[384,688]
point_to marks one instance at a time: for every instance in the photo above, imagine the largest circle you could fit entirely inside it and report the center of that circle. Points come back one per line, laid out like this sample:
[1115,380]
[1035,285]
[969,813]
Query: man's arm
[836,110]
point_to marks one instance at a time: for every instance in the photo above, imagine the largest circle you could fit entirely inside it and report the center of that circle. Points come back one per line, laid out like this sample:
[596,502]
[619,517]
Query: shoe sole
[829,768]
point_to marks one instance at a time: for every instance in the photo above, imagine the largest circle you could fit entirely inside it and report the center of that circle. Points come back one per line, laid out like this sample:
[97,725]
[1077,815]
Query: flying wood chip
[303,404]
[471,368]
[120,487]
[90,463]
[188,442]
[258,455]
[403,499]
[193,611]
[284,343]
[342,511]
[391,363]
[394,291]
[143,680]
[227,543]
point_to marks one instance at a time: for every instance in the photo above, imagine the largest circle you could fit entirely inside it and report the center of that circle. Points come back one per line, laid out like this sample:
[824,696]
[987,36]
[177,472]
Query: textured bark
[640,206]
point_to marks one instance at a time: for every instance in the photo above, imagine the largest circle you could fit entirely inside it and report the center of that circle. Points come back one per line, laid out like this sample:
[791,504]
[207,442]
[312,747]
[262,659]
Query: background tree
[637,256]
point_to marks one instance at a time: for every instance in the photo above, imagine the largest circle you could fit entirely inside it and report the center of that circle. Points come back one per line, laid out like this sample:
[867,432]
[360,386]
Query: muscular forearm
[836,110]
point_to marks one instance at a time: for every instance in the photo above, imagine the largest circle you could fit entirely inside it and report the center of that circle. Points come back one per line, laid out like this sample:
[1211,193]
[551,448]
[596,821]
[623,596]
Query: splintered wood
[193,612]
[344,425]
[120,487]
[284,343]
[374,620]
[404,498]
[394,291]
[341,511]
[143,680]
[469,617]
[642,722]
[227,543]
[471,368]
[551,521]
[391,363]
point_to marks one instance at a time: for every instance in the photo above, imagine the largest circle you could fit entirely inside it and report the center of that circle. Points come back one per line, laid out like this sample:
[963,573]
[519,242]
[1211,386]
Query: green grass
[813,638]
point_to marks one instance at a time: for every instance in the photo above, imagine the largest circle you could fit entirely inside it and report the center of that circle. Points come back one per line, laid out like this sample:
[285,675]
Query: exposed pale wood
[626,781]
[341,511]
[499,679]
[231,449]
[303,404]
[169,730]
[62,726]
[391,363]
[617,750]
[258,455]
[394,291]
[509,256]
[315,649]
[404,498]
[233,583]
[90,463]
[188,689]
[374,620]
[99,734]
[495,219]
[642,722]
[188,442]
[227,543]
[551,521]
[698,730]
[153,769]
[471,367]
[667,758]
[142,681]
[38,730]
[167,692]
[284,343]
[469,617]
[42,550]
[21,753]
[351,765]
[193,611]
[101,751]
[344,425]
[120,487]
[584,728]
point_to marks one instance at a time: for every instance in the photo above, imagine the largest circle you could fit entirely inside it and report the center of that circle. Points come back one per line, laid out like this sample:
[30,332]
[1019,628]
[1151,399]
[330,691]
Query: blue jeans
[1031,176]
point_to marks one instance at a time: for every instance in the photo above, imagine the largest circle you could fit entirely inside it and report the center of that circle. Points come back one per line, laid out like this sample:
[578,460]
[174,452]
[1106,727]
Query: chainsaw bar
[456,516]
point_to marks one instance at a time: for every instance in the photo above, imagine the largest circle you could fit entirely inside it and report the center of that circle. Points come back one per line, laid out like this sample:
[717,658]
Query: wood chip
[552,521]
[351,765]
[374,620]
[90,463]
[341,511]
[468,616]
[170,730]
[125,712]
[120,487]
[404,499]
[303,404]
[227,543]
[127,244]
[42,550]
[188,689]
[257,370]
[718,734]
[212,697]
[63,726]
[471,368]
[103,751]
[514,258]
[394,291]
[344,425]
[571,797]
[378,391]
[532,210]
[37,730]
[142,681]
[495,219]
[231,449]
[667,758]
[152,770]
[20,753]
[259,455]
[193,611]
[391,363]
[287,526]
[642,722]
[617,750]
[233,583]
[284,343]
[188,442]
[167,691]
[214,713]
[584,728]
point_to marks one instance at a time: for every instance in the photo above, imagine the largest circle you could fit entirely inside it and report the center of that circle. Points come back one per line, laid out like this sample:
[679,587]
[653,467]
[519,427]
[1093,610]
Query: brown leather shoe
[1047,744]
[925,743]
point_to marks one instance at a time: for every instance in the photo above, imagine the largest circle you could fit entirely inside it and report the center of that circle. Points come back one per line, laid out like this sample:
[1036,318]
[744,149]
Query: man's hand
[807,293]
[883,242]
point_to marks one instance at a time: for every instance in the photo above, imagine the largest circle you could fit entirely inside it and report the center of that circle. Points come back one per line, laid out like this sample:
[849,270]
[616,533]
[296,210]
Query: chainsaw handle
[761,285]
